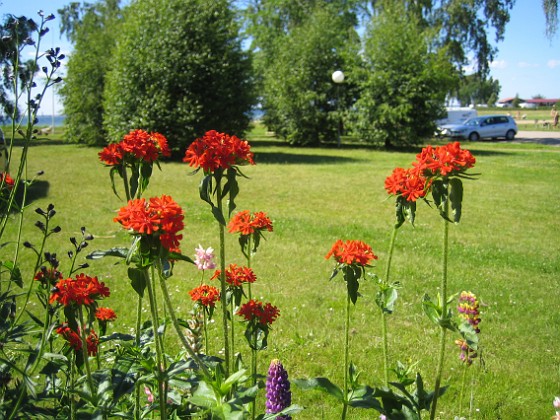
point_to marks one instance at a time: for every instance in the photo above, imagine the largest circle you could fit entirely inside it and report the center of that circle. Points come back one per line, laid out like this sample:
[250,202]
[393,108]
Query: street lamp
[338,78]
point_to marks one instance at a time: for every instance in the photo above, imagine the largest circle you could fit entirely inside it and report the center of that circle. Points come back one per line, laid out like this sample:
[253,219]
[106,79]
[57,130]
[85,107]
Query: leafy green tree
[463,27]
[474,89]
[300,45]
[16,33]
[91,28]
[404,84]
[179,69]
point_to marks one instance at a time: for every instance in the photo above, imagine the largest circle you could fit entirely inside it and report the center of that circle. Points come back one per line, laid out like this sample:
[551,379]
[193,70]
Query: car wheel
[510,135]
[474,136]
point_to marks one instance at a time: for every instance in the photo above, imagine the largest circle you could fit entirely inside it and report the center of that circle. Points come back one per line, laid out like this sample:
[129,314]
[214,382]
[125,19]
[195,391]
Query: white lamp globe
[338,76]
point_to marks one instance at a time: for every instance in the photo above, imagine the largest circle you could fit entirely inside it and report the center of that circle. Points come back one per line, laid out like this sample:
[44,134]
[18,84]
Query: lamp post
[338,78]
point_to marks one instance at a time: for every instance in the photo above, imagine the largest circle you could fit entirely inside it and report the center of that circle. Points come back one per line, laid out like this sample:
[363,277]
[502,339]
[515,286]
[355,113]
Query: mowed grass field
[506,250]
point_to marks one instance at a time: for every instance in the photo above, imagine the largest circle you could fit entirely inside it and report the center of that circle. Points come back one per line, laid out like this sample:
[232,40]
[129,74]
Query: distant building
[527,103]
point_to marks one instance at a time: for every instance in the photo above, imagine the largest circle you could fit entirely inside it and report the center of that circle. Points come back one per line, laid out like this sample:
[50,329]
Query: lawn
[506,250]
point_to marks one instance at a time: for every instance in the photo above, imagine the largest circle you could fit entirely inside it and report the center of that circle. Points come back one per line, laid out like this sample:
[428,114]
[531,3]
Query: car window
[472,121]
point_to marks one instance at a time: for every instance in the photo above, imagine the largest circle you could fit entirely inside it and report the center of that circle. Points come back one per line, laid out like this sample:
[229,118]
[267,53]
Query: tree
[179,69]
[91,28]
[299,98]
[462,27]
[550,8]
[299,45]
[404,84]
[474,89]
[16,33]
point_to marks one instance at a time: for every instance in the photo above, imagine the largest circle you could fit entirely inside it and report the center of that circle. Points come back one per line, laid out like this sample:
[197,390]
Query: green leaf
[204,396]
[432,310]
[352,275]
[399,212]
[364,397]
[134,181]
[321,384]
[468,332]
[146,170]
[456,198]
[137,278]
[439,193]
[288,411]
[118,170]
[123,377]
[113,252]
[233,188]
[386,299]
[15,273]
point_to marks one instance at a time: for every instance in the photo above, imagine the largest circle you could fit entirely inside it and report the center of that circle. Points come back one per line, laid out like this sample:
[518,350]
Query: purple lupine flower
[278,394]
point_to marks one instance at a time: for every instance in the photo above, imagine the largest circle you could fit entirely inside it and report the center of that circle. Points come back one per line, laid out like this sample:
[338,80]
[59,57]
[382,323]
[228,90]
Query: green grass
[506,250]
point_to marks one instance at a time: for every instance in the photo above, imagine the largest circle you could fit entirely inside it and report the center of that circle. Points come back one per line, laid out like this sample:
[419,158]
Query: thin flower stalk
[85,353]
[383,313]
[162,385]
[444,311]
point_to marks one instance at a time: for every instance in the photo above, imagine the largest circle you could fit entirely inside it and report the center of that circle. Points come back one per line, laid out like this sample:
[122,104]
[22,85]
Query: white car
[486,127]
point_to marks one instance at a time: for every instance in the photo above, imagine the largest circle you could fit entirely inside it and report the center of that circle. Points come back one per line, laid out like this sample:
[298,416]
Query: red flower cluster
[247,224]
[6,180]
[445,160]
[351,252]
[160,215]
[75,341]
[236,276]
[218,151]
[136,145]
[415,182]
[264,314]
[407,182]
[83,290]
[105,314]
[205,295]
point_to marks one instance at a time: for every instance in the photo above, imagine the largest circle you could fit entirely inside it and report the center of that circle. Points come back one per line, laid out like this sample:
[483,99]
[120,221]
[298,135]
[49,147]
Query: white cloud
[524,65]
[498,64]
[553,63]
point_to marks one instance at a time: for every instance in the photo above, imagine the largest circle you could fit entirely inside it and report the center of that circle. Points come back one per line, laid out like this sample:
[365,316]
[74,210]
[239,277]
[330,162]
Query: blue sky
[527,63]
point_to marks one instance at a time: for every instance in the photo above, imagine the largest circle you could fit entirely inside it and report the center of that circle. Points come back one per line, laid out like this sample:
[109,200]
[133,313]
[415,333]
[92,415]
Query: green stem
[346,355]
[177,326]
[137,342]
[159,349]
[254,355]
[249,245]
[223,285]
[232,330]
[72,385]
[205,331]
[92,389]
[383,314]
[464,378]
[444,315]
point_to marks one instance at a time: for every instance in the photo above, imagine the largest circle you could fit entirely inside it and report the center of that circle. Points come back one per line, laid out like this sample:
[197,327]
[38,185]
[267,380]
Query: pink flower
[556,403]
[149,394]
[204,258]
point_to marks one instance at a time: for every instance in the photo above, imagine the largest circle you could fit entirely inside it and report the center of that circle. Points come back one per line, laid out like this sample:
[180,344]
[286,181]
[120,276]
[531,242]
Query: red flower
[83,290]
[218,151]
[160,214]
[105,314]
[111,155]
[236,276]
[407,182]
[6,180]
[247,224]
[72,337]
[205,295]
[92,342]
[137,145]
[264,314]
[445,160]
[351,252]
